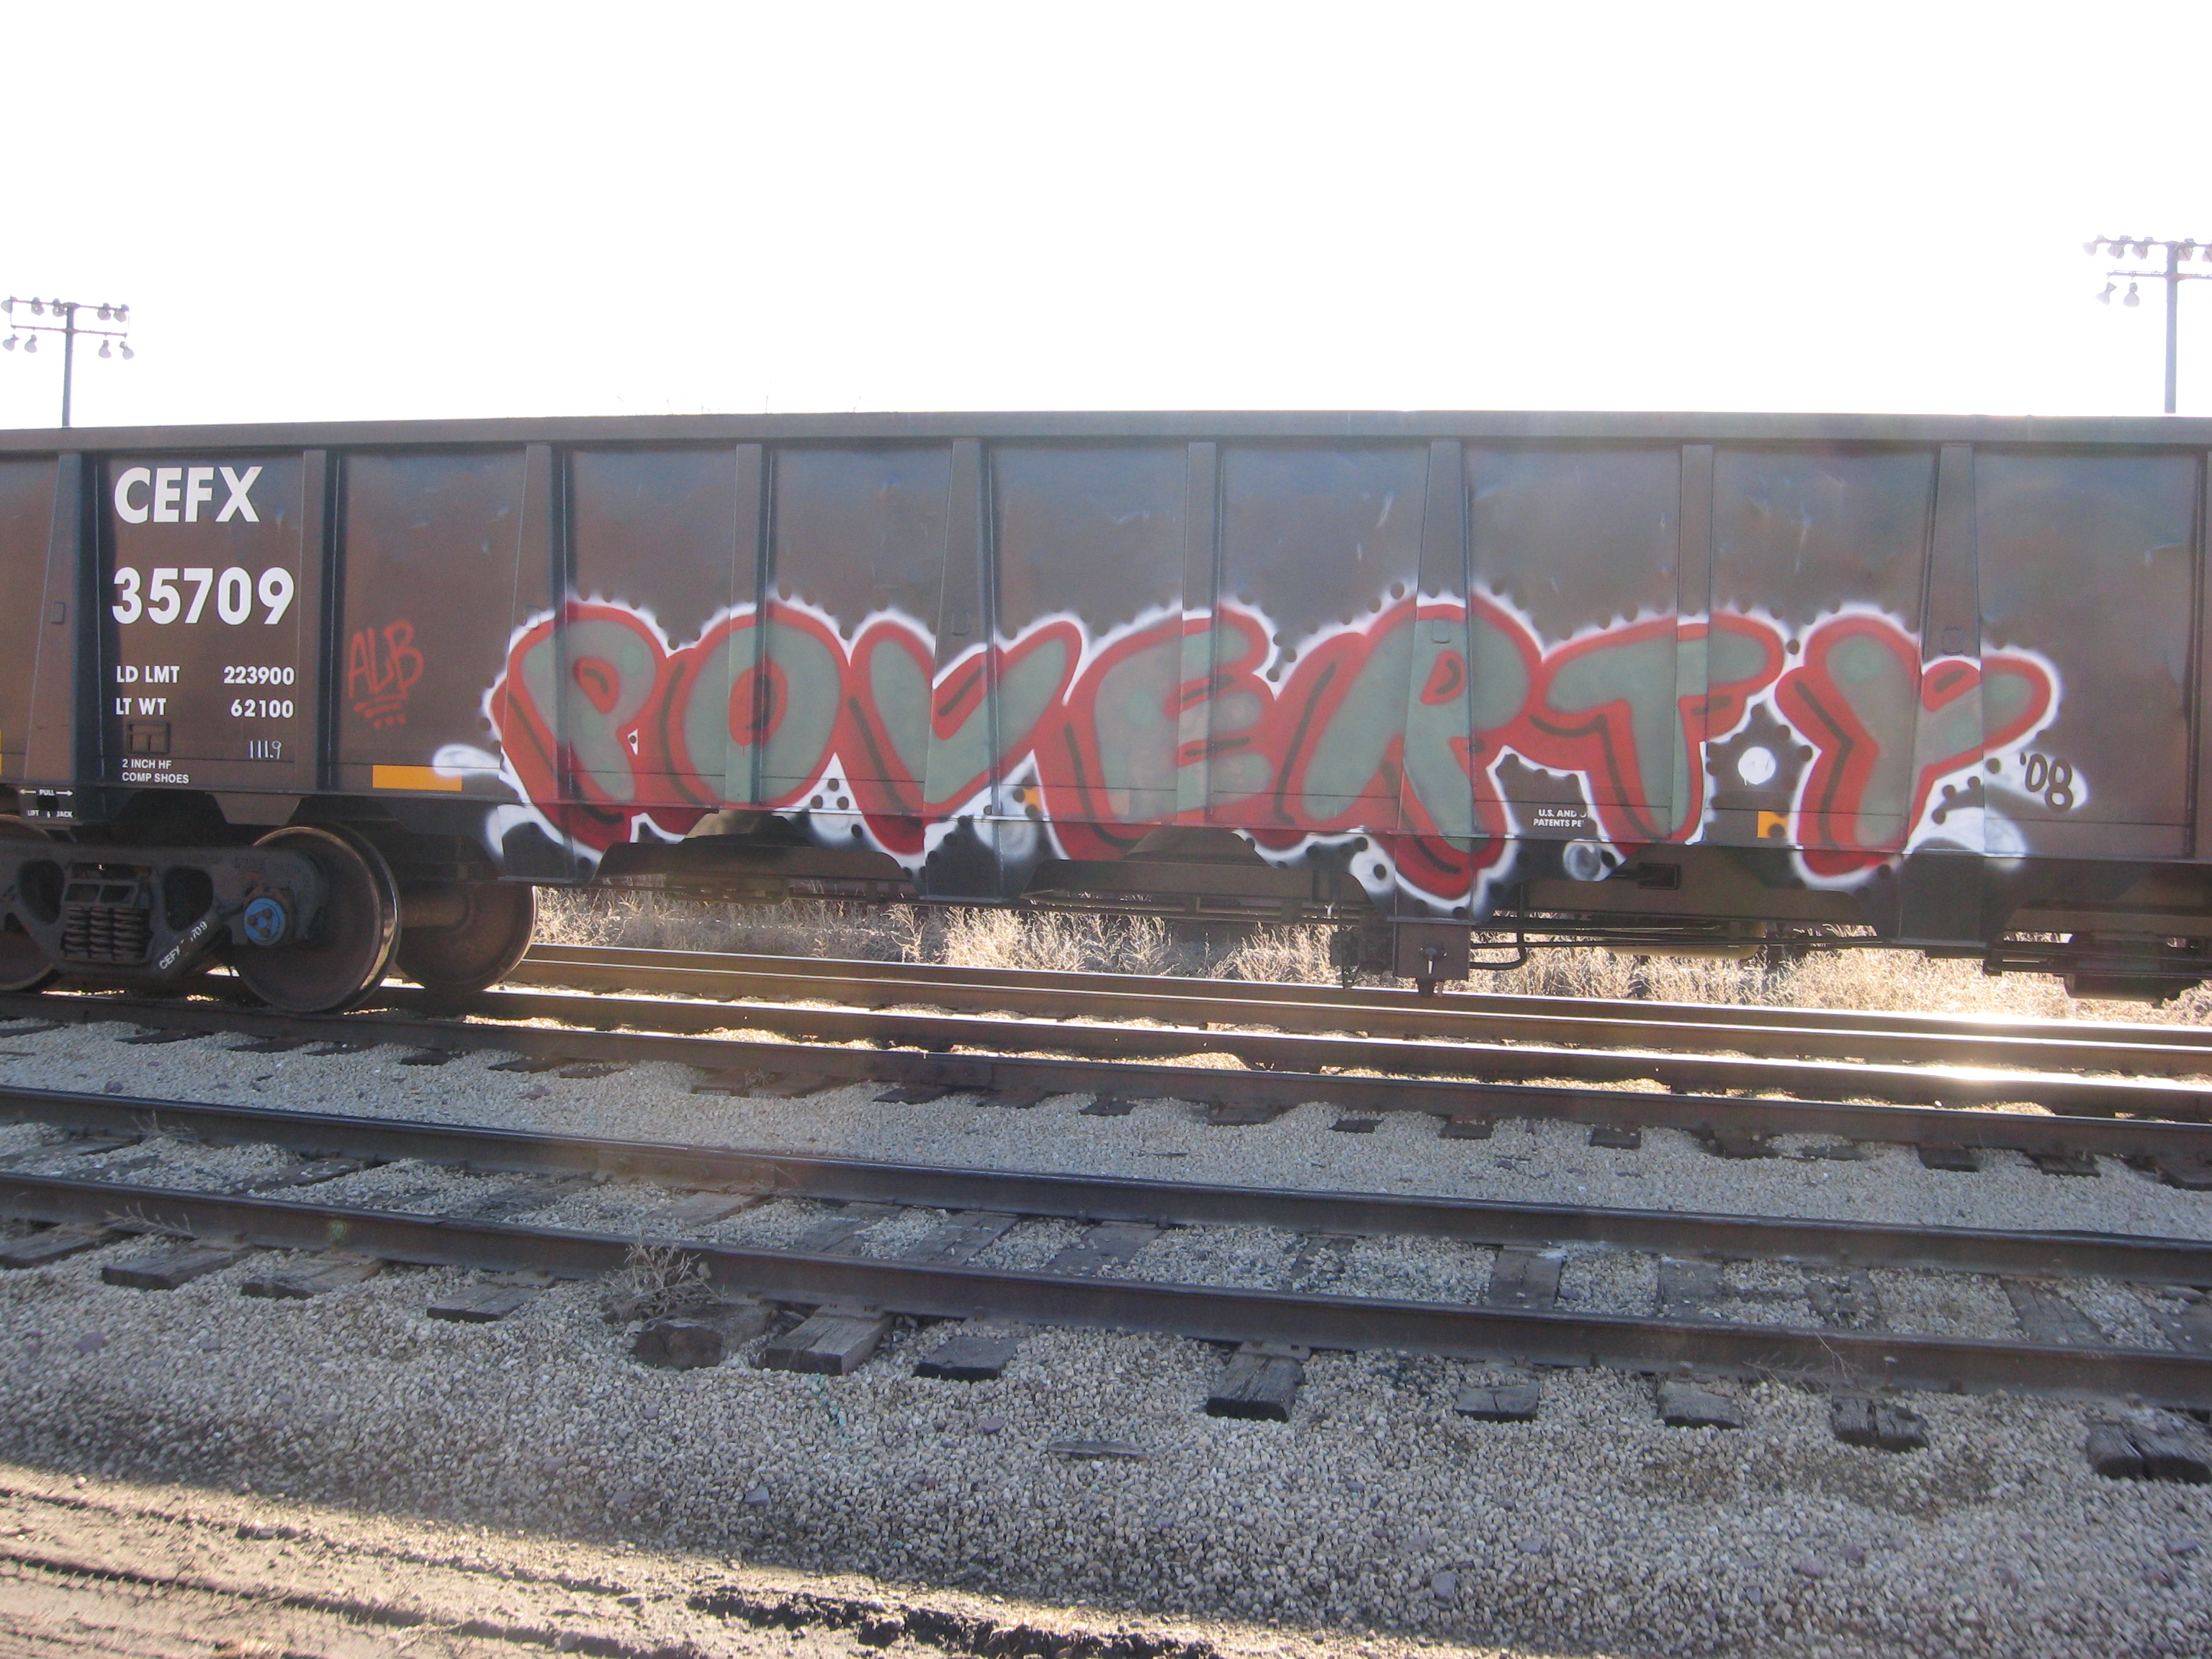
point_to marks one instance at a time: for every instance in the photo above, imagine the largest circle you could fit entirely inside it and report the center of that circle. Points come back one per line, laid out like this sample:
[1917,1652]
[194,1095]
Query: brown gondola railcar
[323,700]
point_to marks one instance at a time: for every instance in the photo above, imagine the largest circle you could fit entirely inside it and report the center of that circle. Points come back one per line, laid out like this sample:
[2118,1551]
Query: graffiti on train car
[1394,728]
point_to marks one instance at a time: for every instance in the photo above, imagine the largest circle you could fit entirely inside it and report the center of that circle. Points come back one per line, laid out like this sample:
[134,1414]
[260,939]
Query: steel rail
[2177,1050]
[1106,1198]
[1209,1313]
[2165,1141]
[2153,1097]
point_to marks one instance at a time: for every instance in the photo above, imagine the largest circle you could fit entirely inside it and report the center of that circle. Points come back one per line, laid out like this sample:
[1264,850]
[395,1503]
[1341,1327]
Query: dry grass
[656,1282]
[1900,981]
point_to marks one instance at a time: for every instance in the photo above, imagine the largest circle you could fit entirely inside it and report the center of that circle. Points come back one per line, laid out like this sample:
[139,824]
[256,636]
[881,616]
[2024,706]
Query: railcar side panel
[671,537]
[2088,566]
[1091,546]
[440,562]
[208,631]
[27,507]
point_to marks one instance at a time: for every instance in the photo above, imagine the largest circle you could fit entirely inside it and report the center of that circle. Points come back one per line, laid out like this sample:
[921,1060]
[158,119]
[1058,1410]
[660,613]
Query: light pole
[26,334]
[2130,247]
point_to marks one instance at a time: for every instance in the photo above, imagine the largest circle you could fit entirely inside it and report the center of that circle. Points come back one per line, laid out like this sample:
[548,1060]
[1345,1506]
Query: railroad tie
[702,1336]
[1524,1279]
[1259,1383]
[1109,1244]
[481,1304]
[332,1273]
[839,1232]
[1619,1137]
[1225,1114]
[1940,1155]
[977,1353]
[1726,1140]
[157,1036]
[531,1065]
[1837,1152]
[176,1264]
[705,1209]
[1689,1287]
[2048,1318]
[830,1342]
[754,1084]
[1318,1262]
[961,1237]
[1501,1403]
[53,1244]
[308,1172]
[2161,1447]
[1883,1425]
[2065,1164]
[1685,1405]
[269,1045]
[523,1197]
[2191,1330]
[80,1146]
[1845,1301]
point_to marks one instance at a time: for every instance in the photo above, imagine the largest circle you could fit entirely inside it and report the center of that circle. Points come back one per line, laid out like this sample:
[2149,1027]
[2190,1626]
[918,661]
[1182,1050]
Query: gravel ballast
[1595,1527]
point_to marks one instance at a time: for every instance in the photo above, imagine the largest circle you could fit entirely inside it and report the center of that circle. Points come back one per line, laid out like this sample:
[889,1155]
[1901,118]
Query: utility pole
[26,334]
[2130,247]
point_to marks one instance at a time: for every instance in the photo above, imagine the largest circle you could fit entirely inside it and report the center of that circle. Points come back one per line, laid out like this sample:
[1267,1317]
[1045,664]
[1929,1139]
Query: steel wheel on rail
[344,957]
[480,949]
[23,965]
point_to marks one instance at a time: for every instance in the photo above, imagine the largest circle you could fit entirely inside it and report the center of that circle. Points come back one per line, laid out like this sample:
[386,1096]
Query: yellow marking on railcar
[411,777]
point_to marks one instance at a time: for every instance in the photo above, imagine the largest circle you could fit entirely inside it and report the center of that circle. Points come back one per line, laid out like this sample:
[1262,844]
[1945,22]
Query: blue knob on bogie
[266,923]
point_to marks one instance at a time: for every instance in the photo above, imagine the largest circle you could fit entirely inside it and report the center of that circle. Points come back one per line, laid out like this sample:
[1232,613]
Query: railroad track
[628,1030]
[1889,1039]
[930,1031]
[1516,1320]
[1132,1030]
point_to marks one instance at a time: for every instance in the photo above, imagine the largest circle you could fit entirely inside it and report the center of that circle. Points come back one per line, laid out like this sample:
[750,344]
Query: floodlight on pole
[2130,247]
[26,334]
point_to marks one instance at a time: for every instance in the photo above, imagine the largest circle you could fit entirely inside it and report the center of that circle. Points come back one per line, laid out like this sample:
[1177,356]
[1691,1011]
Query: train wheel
[23,965]
[344,958]
[479,949]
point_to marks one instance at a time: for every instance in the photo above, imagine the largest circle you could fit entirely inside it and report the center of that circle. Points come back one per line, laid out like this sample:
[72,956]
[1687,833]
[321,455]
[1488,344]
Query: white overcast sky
[388,211]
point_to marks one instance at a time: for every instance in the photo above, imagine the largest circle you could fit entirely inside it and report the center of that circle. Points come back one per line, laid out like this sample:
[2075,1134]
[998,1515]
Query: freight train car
[320,701]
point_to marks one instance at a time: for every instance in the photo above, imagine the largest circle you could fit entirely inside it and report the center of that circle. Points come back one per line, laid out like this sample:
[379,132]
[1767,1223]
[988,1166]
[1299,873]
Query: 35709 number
[163,602]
